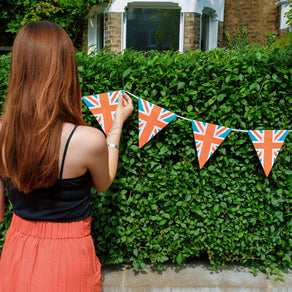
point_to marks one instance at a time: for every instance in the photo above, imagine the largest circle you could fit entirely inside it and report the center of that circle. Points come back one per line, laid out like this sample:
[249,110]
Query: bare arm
[103,159]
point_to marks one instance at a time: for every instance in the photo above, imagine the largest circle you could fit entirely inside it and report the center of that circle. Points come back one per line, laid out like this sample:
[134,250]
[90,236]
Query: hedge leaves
[162,207]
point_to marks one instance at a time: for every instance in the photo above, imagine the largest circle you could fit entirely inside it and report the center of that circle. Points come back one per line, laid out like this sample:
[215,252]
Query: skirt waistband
[44,229]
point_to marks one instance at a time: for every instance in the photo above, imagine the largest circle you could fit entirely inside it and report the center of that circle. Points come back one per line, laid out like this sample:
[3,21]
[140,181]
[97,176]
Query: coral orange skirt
[49,257]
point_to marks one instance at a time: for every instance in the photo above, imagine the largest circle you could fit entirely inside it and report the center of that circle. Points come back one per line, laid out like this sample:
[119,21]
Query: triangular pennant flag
[103,106]
[152,118]
[267,144]
[208,137]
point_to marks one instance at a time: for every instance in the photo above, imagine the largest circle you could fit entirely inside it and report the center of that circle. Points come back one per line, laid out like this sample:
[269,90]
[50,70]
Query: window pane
[99,31]
[152,29]
[205,32]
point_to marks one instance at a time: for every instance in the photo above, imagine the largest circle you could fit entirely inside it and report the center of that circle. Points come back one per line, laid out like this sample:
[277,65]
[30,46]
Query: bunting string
[183,118]
[208,137]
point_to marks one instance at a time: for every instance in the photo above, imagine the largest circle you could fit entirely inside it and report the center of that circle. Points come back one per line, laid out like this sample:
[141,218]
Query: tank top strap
[65,151]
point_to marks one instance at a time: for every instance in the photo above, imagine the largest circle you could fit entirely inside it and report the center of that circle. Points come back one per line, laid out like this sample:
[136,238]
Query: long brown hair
[43,92]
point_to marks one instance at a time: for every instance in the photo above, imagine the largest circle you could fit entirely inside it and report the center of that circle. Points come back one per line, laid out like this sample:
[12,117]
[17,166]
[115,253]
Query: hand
[124,110]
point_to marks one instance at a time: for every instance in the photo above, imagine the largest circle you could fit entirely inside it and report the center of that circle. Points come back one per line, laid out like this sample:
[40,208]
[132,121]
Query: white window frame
[284,7]
[212,34]
[161,5]
[94,40]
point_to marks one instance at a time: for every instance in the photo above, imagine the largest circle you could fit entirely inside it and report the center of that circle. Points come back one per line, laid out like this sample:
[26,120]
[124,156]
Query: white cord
[183,118]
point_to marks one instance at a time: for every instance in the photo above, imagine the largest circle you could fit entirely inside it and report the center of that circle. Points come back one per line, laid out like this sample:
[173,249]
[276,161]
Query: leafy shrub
[284,42]
[240,39]
[15,14]
[4,72]
[162,207]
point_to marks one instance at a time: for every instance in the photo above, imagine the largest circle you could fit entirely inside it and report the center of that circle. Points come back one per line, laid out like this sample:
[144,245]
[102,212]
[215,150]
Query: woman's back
[48,246]
[68,199]
[75,156]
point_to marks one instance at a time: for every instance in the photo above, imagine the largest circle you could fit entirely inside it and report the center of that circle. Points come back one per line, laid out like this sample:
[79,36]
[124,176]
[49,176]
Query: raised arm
[104,153]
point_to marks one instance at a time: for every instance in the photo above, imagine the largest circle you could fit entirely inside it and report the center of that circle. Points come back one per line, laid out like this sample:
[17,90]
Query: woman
[50,160]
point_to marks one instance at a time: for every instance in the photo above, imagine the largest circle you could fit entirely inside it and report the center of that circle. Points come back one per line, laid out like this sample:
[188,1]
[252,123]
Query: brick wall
[113,30]
[258,16]
[192,22]
[220,34]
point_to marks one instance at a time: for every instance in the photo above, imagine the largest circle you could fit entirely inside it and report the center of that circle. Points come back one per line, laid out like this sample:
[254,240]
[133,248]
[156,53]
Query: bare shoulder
[90,138]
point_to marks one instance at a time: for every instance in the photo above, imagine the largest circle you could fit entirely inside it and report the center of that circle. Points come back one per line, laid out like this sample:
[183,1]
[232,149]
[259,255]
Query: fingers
[125,99]
[125,108]
[121,99]
[125,103]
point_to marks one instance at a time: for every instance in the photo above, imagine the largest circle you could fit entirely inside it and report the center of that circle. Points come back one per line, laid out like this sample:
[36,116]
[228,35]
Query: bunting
[267,144]
[103,106]
[152,118]
[208,137]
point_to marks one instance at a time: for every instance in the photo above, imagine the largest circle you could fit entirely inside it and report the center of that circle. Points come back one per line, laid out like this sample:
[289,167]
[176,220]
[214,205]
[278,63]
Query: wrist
[115,146]
[115,131]
[117,122]
[113,140]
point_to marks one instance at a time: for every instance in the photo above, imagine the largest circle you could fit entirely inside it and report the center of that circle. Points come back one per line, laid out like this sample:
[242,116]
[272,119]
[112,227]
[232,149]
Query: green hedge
[162,207]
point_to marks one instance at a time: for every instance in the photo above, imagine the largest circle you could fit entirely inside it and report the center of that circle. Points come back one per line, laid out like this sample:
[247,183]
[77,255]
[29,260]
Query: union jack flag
[152,118]
[267,144]
[103,106]
[208,137]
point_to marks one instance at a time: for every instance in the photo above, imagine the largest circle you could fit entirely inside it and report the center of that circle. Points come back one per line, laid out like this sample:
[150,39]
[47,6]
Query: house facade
[258,16]
[176,24]
[181,24]
[144,25]
[282,9]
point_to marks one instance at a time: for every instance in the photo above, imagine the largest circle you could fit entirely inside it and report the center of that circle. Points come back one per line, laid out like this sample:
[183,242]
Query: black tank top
[67,200]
